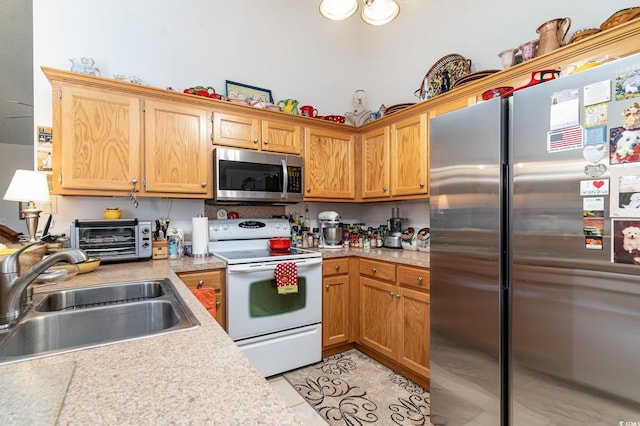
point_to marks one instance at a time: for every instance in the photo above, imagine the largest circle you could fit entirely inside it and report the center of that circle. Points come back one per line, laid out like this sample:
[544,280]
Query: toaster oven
[113,240]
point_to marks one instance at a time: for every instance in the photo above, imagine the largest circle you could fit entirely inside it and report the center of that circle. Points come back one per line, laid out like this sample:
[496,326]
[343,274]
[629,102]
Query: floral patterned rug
[352,389]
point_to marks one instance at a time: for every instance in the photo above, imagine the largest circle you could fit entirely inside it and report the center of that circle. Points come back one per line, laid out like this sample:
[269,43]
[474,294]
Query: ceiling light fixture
[380,12]
[374,12]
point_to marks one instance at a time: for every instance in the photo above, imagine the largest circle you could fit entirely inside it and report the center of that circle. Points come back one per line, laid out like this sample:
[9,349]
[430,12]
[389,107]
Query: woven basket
[620,17]
[457,66]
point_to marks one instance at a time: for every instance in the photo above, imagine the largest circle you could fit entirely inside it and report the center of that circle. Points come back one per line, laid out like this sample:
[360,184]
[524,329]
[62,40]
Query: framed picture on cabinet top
[237,90]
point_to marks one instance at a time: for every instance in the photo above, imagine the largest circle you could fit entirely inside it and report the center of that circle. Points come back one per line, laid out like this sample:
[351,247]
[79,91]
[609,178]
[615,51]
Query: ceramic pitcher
[552,34]
[529,49]
[508,57]
[290,106]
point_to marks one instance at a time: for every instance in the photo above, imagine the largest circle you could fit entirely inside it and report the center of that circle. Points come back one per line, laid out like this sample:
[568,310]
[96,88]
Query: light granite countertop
[197,376]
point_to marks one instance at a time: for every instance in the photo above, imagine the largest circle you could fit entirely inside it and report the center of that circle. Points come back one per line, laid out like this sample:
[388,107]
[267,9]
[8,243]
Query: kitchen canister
[175,237]
[200,236]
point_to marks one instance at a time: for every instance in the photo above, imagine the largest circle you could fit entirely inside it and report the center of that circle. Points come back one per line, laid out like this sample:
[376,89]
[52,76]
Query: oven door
[255,308]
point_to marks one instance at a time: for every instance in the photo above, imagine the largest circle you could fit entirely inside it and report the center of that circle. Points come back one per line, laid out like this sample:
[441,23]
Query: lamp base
[31,217]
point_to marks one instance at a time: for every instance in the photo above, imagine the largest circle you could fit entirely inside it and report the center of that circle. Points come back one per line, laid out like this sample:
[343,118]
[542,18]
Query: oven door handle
[257,267]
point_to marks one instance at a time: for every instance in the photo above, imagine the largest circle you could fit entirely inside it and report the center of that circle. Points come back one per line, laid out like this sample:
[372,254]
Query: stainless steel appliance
[257,176]
[277,332]
[532,322]
[393,238]
[331,230]
[114,239]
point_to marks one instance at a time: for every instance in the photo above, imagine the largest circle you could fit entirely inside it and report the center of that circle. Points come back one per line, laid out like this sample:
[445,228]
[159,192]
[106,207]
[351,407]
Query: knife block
[160,249]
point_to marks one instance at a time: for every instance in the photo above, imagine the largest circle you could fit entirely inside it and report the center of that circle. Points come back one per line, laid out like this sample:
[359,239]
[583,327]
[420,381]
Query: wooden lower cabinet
[210,279]
[395,313]
[336,300]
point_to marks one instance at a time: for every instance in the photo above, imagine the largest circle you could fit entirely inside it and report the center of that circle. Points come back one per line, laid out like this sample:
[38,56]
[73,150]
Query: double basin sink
[78,318]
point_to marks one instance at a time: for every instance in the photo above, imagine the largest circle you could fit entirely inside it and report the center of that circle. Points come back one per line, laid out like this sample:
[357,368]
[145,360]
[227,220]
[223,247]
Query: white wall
[12,157]
[284,45]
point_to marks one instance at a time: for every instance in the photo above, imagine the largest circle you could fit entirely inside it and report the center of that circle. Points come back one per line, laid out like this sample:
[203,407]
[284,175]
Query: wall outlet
[52,207]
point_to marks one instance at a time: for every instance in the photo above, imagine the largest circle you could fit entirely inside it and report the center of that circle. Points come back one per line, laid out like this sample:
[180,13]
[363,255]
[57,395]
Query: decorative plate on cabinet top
[473,77]
[456,65]
[620,17]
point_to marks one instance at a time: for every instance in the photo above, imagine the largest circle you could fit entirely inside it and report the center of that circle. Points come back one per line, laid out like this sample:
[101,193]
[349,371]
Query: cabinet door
[335,310]
[413,330]
[409,150]
[97,145]
[280,136]
[378,313]
[210,279]
[236,130]
[177,150]
[375,163]
[329,161]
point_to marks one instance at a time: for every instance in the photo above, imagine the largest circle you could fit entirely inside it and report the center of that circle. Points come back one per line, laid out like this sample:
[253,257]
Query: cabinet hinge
[142,106]
[60,178]
[59,94]
[144,183]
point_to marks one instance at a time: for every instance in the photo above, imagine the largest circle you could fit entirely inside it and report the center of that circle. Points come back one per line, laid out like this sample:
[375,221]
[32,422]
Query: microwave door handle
[285,183]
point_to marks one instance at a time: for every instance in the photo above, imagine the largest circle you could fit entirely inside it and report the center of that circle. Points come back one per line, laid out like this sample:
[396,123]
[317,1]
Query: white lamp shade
[380,12]
[28,185]
[338,10]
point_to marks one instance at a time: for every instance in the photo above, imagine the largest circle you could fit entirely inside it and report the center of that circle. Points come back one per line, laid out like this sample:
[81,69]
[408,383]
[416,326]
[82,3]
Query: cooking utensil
[280,243]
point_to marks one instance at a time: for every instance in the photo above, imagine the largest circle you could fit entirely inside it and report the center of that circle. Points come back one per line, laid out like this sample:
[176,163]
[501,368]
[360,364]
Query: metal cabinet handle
[134,181]
[266,141]
[391,293]
[374,270]
[217,303]
[419,279]
[204,184]
[308,189]
[421,185]
[200,283]
[337,267]
[384,189]
[326,286]
[255,141]
[398,296]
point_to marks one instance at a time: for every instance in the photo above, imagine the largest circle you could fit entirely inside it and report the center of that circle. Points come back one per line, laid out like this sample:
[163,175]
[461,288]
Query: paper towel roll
[200,236]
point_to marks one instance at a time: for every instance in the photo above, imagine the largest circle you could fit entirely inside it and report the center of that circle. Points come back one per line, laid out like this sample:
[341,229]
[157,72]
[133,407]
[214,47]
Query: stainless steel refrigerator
[535,289]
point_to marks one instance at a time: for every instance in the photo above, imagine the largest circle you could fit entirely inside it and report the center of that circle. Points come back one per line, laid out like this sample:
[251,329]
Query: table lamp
[29,186]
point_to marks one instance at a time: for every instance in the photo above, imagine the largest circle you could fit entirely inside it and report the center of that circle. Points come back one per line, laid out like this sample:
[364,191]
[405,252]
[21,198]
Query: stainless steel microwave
[247,176]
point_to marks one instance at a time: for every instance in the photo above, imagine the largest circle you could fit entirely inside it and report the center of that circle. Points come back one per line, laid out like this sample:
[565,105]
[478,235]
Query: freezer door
[466,205]
[575,314]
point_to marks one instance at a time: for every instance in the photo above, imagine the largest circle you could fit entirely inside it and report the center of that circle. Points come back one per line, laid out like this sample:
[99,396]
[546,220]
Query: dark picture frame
[248,91]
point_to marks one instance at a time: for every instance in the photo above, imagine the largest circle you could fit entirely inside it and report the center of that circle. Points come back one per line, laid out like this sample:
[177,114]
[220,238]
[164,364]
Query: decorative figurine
[360,114]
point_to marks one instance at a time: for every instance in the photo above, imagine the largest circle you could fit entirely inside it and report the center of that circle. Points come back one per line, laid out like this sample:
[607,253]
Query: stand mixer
[330,230]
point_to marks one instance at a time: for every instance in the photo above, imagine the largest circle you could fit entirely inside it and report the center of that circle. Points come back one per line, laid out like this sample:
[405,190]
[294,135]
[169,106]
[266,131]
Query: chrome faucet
[13,286]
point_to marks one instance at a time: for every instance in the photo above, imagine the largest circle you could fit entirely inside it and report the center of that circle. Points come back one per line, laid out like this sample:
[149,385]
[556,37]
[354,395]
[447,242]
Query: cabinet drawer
[413,277]
[209,279]
[379,270]
[335,266]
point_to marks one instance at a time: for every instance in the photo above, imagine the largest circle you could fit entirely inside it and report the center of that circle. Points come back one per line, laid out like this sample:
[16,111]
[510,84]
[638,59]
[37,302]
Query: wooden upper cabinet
[281,136]
[177,149]
[409,155]
[375,163]
[240,131]
[250,132]
[330,164]
[98,140]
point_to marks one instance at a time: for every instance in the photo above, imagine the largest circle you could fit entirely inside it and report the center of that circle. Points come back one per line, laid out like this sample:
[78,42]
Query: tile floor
[305,413]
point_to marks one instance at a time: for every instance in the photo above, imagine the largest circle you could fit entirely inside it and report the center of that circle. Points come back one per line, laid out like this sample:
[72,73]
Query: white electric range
[277,332]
